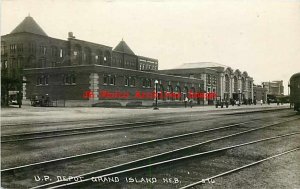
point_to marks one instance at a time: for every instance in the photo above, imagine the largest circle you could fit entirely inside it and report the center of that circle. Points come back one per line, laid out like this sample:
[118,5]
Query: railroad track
[143,163]
[139,161]
[95,129]
[235,111]
[203,181]
[87,130]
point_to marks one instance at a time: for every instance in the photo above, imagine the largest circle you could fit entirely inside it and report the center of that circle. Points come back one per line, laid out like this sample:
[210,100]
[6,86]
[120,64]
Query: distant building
[274,88]
[229,84]
[259,93]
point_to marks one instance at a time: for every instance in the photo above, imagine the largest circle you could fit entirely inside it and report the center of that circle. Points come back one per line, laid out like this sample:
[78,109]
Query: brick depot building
[83,73]
[228,84]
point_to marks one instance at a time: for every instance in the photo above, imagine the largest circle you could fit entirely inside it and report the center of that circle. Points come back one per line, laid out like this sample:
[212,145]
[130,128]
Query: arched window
[235,86]
[243,84]
[227,83]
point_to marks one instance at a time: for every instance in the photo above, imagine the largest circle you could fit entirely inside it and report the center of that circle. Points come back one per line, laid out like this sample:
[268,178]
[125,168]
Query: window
[46,80]
[105,79]
[132,82]
[112,80]
[42,63]
[54,52]
[43,49]
[214,80]
[20,47]
[208,79]
[5,64]
[69,79]
[32,47]
[126,81]
[73,79]
[147,83]
[227,83]
[235,84]
[13,48]
[61,53]
[39,80]
[43,80]
[109,79]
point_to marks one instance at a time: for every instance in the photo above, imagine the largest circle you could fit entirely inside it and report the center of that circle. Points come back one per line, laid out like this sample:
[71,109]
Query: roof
[124,48]
[200,65]
[295,75]
[29,25]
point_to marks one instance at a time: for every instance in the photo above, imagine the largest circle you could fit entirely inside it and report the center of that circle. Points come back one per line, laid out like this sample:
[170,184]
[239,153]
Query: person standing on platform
[191,102]
[19,99]
[261,102]
[186,101]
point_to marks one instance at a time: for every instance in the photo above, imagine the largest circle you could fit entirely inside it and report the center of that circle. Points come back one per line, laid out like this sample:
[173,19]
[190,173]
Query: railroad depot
[75,72]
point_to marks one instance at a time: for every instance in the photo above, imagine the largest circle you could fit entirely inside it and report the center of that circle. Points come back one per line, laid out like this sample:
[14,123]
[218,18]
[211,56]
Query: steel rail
[176,150]
[82,130]
[240,168]
[77,131]
[122,147]
[164,162]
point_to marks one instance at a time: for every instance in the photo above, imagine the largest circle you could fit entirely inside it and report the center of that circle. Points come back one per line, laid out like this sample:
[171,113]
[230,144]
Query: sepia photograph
[150,94]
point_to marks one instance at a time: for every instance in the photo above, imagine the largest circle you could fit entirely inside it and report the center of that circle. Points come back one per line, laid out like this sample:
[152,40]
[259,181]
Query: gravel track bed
[195,169]
[32,151]
[124,156]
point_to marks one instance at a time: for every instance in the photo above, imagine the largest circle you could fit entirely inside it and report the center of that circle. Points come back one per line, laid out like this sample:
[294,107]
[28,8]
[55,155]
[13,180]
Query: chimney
[71,35]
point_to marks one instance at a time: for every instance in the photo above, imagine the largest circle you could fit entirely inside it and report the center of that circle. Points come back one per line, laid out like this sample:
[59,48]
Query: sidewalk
[29,114]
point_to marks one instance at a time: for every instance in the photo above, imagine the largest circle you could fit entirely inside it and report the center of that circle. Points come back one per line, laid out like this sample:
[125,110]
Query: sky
[261,37]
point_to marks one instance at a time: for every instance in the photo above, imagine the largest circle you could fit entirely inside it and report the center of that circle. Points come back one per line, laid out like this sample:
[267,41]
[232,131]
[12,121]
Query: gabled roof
[30,26]
[200,65]
[123,47]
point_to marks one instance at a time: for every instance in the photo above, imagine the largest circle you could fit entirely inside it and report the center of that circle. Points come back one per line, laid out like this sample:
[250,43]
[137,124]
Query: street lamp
[240,96]
[156,95]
